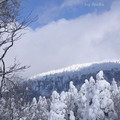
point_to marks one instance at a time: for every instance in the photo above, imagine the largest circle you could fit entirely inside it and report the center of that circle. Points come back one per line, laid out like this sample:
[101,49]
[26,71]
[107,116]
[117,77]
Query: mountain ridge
[72,68]
[58,80]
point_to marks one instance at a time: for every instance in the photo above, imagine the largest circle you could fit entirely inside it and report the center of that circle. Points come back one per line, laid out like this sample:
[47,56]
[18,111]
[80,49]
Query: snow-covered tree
[57,108]
[116,97]
[72,89]
[95,100]
[33,109]
[114,88]
[3,111]
[105,98]
[102,106]
[72,98]
[82,100]
[72,117]
[43,108]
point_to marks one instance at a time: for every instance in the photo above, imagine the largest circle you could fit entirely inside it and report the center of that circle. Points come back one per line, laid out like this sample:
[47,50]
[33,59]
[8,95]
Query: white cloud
[88,38]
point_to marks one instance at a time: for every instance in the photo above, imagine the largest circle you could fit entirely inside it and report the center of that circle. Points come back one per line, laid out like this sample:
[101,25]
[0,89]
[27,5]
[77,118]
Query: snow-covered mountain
[45,83]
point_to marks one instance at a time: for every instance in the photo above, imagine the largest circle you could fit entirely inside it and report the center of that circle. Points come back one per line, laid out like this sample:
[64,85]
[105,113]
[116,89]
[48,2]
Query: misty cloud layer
[89,38]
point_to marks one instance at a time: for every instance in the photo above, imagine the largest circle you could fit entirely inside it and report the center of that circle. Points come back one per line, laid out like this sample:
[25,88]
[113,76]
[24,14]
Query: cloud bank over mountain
[90,37]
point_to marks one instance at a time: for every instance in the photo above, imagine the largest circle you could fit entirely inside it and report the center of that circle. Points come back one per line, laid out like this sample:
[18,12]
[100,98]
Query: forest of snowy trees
[96,100]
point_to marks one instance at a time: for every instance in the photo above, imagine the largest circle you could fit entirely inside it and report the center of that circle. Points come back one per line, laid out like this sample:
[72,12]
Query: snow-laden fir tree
[103,91]
[99,104]
[43,108]
[114,88]
[116,97]
[64,98]
[72,97]
[33,112]
[72,117]
[82,100]
[57,108]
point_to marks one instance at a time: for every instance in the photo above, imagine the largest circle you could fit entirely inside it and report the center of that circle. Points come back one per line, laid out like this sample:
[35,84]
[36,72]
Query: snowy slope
[84,68]
[45,83]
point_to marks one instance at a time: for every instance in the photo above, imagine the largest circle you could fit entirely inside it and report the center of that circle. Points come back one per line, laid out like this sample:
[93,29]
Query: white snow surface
[91,67]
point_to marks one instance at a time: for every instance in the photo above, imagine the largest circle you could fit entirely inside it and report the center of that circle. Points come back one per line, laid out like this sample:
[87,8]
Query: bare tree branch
[11,25]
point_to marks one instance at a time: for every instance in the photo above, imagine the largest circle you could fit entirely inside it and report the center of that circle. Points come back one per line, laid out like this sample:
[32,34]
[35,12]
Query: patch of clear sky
[88,6]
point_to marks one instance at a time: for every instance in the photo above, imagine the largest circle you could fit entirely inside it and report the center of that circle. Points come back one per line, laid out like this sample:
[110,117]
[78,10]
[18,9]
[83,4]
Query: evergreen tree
[102,106]
[116,97]
[43,108]
[114,88]
[33,109]
[72,117]
[82,101]
[57,108]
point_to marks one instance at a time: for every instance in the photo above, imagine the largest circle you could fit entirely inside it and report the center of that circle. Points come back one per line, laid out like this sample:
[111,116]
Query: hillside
[45,83]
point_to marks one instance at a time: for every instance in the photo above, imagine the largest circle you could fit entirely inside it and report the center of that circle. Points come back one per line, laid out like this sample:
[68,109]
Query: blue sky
[68,32]
[53,10]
